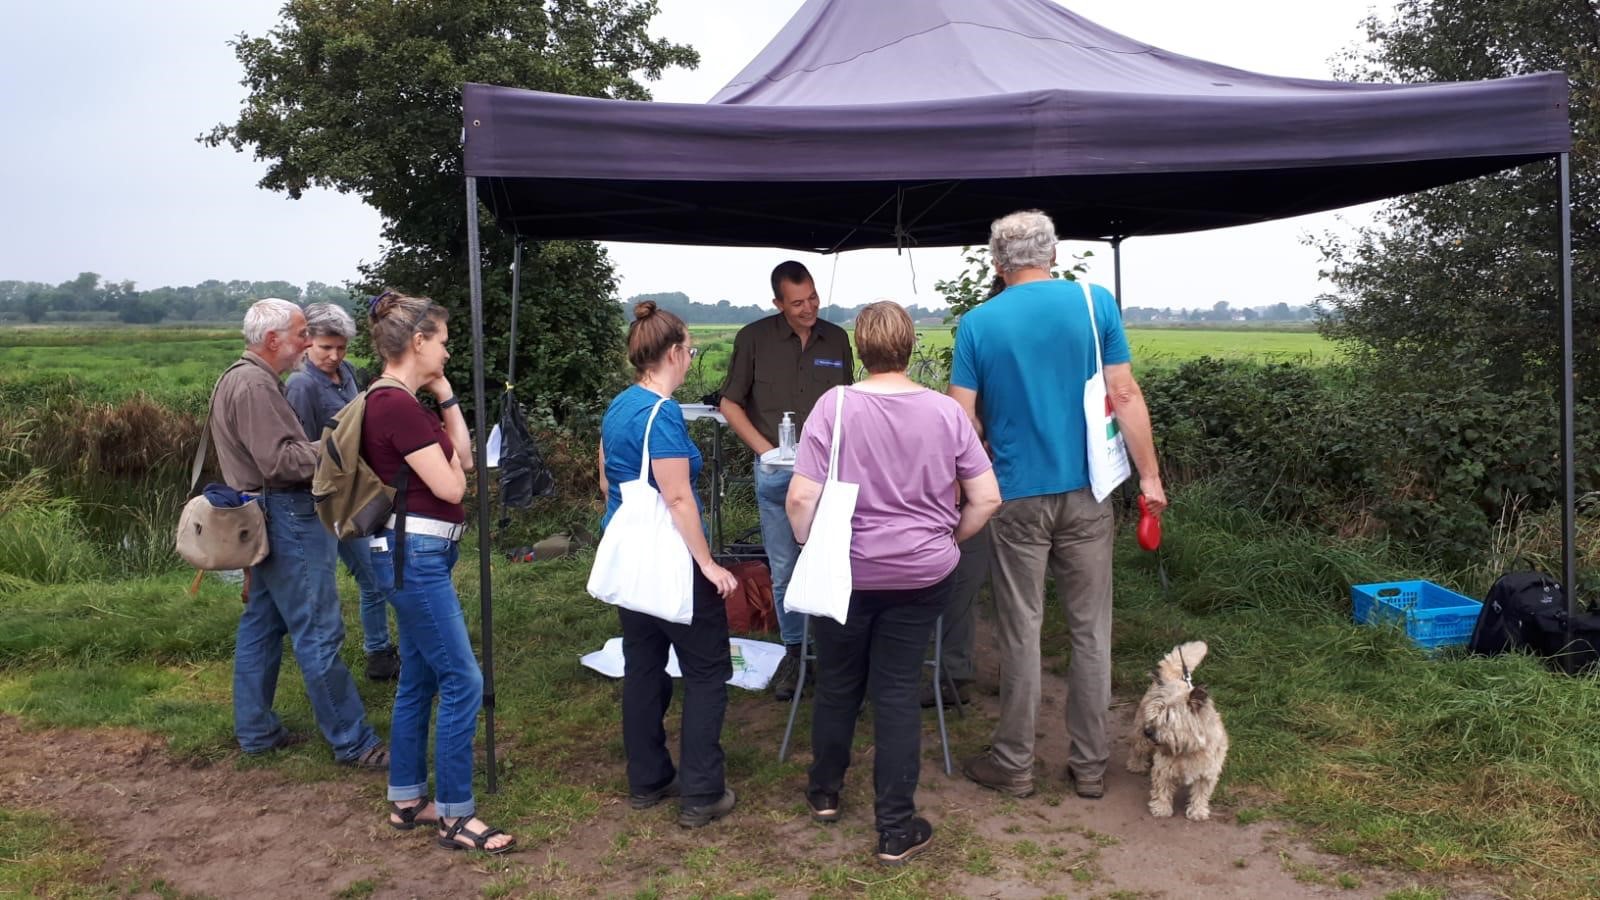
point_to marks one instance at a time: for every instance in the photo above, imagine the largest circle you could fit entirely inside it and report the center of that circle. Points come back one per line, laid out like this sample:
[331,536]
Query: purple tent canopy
[870,124]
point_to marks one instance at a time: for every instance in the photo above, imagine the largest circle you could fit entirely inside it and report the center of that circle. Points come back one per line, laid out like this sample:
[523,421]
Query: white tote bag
[642,563]
[1108,452]
[820,584]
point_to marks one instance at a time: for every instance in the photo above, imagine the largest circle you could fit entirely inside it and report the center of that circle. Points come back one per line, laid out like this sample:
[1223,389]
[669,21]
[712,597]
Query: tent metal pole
[1569,544]
[480,459]
[516,296]
[1116,266]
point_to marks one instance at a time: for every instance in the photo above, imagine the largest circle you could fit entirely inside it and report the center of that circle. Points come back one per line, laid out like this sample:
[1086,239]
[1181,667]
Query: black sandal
[408,815]
[480,840]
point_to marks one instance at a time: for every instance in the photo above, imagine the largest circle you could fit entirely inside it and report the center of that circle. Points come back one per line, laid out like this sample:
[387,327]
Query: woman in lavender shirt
[908,448]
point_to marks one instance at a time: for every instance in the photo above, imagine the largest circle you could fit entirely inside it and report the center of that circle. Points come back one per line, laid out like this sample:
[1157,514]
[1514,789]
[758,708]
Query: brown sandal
[374,757]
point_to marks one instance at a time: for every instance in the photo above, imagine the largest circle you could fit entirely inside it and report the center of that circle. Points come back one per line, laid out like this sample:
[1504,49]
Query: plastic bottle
[786,436]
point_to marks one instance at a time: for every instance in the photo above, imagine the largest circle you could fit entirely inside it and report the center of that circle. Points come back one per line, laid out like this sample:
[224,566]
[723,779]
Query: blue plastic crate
[1433,616]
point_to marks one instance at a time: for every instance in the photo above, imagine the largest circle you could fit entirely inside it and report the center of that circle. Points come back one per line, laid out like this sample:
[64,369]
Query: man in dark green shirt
[780,364]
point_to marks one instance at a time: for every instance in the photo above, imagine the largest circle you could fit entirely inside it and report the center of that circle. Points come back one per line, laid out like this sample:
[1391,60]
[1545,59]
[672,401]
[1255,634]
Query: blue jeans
[292,592]
[772,489]
[436,659]
[357,556]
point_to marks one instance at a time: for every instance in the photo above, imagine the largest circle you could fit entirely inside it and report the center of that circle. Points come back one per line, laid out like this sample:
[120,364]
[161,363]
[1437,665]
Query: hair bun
[644,310]
[380,306]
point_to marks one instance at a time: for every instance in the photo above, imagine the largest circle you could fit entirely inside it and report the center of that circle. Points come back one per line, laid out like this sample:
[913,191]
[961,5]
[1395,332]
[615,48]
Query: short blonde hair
[884,337]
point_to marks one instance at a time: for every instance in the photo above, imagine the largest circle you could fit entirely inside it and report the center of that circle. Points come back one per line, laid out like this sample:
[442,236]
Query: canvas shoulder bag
[642,562]
[217,538]
[1108,452]
[822,581]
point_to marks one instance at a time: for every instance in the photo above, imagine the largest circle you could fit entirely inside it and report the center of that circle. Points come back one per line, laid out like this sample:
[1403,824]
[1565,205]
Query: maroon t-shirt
[394,426]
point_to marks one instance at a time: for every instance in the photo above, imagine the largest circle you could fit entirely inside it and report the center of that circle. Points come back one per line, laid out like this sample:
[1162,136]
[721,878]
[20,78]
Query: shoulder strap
[205,430]
[1094,329]
[833,453]
[644,463]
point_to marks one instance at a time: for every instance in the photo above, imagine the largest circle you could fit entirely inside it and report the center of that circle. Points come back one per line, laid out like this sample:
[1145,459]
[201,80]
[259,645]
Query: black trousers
[702,648]
[878,653]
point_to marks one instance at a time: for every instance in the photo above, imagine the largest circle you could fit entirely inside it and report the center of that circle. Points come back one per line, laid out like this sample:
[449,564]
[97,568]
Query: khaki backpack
[352,501]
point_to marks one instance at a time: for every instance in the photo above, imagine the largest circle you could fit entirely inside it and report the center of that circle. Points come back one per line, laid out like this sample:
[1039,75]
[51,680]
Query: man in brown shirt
[262,450]
[780,364]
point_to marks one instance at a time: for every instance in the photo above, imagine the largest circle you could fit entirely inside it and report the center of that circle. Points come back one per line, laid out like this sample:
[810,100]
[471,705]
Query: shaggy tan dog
[1178,736]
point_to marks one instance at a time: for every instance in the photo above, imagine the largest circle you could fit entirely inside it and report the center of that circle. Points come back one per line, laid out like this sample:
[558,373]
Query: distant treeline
[1222,312]
[90,298]
[724,313]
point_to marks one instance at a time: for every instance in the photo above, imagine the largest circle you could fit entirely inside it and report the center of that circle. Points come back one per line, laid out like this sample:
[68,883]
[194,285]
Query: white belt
[450,531]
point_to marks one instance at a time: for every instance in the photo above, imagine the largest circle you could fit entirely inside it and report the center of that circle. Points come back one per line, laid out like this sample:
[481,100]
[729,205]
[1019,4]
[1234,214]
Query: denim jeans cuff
[409,792]
[467,807]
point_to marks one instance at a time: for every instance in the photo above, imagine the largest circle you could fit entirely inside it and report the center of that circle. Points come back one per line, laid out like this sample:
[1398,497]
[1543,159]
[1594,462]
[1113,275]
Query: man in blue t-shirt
[1021,361]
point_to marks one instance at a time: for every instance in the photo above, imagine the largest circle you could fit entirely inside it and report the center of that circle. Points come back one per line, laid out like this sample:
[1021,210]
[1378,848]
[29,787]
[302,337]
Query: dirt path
[226,831]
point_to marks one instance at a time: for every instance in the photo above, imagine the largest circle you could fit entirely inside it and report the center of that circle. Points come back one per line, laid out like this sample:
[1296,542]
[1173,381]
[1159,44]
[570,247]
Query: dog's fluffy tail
[1172,665]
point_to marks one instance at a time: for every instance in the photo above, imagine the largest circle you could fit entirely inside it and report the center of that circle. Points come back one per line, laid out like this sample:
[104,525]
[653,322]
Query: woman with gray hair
[317,390]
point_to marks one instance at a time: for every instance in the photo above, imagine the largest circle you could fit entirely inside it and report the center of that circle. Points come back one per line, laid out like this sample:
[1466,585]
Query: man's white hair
[329,320]
[1023,240]
[266,316]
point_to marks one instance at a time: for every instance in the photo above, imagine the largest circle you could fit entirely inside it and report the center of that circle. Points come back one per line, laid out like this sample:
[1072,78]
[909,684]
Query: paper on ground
[753,661]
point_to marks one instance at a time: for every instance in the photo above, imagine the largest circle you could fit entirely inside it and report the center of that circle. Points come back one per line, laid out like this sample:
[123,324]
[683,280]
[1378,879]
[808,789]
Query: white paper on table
[774,457]
[754,662]
[492,448]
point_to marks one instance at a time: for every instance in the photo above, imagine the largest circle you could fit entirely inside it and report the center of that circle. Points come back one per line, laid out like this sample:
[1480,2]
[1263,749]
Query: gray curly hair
[329,320]
[1023,240]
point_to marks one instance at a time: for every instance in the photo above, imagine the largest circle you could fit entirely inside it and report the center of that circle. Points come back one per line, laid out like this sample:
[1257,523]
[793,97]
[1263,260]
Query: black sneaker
[895,849]
[701,816]
[384,665]
[647,799]
[824,807]
[787,677]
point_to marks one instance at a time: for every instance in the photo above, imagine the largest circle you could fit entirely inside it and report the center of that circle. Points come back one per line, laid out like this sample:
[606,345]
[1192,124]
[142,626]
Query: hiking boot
[950,696]
[824,806]
[701,816]
[787,677]
[384,665]
[894,849]
[985,771]
[647,799]
[1087,788]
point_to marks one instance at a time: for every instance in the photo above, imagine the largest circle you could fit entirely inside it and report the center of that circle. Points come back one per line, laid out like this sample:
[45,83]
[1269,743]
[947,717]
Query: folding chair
[807,656]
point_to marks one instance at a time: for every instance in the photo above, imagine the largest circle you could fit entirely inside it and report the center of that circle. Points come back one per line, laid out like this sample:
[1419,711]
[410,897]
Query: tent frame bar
[481,464]
[1569,544]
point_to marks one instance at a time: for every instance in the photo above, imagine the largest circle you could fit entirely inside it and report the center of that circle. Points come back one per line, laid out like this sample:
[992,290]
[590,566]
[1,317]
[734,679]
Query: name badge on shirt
[829,363]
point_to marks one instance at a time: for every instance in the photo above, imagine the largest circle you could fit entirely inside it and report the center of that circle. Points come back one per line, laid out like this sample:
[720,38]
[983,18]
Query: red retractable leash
[1149,533]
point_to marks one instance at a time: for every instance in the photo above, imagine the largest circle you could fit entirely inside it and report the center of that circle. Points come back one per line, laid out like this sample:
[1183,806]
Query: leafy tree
[364,96]
[1462,280]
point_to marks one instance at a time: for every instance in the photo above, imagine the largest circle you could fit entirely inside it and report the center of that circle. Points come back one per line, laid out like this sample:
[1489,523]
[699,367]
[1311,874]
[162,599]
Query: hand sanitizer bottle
[786,436]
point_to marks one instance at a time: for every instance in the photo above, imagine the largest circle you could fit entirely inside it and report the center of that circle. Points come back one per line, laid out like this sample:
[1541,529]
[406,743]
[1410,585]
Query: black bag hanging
[523,472]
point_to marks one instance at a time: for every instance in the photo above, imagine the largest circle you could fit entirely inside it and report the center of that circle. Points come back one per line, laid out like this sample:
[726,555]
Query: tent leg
[480,458]
[1569,544]
[516,297]
[1116,267]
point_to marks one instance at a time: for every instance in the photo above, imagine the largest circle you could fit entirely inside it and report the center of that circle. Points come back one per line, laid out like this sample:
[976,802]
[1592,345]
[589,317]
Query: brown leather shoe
[1087,788]
[985,771]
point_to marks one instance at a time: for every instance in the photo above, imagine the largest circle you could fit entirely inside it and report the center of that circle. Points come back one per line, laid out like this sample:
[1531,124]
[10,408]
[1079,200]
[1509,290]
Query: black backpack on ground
[1527,612]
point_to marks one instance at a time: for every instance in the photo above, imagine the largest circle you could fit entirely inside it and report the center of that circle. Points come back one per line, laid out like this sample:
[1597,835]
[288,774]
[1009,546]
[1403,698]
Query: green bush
[1436,468]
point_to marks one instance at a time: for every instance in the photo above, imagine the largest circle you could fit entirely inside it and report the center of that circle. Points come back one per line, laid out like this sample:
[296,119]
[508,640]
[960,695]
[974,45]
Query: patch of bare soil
[226,831]
[219,831]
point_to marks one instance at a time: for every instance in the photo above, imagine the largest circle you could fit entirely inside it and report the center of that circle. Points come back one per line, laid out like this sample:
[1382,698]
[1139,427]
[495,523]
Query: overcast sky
[100,102]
